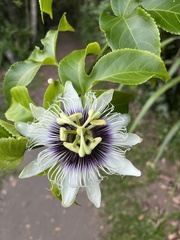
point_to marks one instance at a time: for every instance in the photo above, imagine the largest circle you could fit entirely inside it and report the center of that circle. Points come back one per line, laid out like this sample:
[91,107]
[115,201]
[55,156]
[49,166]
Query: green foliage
[13,146]
[19,110]
[134,30]
[64,24]
[54,90]
[47,56]
[20,74]
[72,67]
[46,7]
[166,13]
[116,67]
[130,56]
[123,7]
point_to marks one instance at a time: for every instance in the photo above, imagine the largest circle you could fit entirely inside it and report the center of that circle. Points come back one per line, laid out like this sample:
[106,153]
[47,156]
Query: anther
[71,147]
[95,143]
[64,119]
[63,134]
[98,122]
[93,115]
[76,116]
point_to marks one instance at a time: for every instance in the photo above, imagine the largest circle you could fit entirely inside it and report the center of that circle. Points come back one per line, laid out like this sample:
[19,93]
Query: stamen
[76,141]
[98,122]
[89,137]
[95,142]
[92,115]
[64,119]
[71,147]
[76,117]
[63,134]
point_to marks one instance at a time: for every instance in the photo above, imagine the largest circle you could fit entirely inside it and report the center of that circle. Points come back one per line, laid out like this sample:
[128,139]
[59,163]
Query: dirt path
[28,211]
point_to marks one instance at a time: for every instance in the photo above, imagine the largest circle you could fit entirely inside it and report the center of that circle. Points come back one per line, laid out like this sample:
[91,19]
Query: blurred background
[133,208]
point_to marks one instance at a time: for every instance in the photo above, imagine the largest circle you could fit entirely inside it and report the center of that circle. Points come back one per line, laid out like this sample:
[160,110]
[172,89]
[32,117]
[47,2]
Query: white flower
[81,137]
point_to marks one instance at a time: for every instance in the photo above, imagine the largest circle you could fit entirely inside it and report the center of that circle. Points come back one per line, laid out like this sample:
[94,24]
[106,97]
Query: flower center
[80,139]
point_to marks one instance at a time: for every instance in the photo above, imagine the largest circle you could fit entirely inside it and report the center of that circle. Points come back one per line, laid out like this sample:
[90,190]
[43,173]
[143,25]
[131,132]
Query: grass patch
[143,208]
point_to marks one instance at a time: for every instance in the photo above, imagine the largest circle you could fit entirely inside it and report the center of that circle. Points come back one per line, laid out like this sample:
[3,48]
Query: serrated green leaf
[20,94]
[128,66]
[120,100]
[72,67]
[13,147]
[18,113]
[46,7]
[137,30]
[47,56]
[4,133]
[11,152]
[165,12]
[123,7]
[8,130]
[52,92]
[20,74]
[8,163]
[64,24]
[19,110]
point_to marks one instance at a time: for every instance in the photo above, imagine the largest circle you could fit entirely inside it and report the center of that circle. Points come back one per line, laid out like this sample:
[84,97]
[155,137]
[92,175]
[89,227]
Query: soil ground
[28,211]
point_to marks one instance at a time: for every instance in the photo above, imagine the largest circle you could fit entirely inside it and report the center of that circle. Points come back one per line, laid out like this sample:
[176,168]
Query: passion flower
[82,136]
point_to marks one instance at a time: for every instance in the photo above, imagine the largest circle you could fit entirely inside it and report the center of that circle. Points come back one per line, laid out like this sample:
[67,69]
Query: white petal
[118,121]
[130,140]
[94,193]
[37,112]
[43,162]
[22,128]
[35,131]
[102,101]
[126,118]
[71,98]
[69,91]
[122,166]
[68,192]
[44,116]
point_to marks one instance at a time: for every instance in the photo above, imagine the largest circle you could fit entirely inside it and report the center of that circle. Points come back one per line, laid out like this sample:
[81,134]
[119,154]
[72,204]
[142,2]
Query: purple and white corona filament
[81,138]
